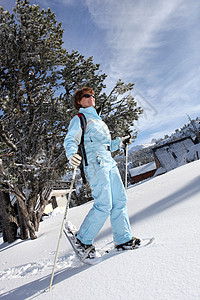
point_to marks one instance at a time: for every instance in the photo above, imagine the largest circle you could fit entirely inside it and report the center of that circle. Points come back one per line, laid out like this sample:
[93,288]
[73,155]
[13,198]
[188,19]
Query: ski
[100,253]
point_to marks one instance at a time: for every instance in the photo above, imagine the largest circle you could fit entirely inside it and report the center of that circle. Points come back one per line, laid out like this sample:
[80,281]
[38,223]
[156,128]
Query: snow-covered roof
[170,155]
[142,169]
[193,154]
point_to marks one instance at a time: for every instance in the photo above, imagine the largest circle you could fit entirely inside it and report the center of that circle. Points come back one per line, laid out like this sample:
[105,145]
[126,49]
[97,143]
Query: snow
[142,169]
[166,207]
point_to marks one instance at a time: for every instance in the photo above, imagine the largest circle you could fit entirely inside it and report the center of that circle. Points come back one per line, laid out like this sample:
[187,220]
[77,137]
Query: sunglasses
[88,96]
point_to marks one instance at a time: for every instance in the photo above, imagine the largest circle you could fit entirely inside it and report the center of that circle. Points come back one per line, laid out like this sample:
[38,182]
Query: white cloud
[131,29]
[148,39]
[156,45]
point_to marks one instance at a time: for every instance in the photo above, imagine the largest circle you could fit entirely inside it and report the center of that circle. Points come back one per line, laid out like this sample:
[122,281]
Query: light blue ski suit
[104,178]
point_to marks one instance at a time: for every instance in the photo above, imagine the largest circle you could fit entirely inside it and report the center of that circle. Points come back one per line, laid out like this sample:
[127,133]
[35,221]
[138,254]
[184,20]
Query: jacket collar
[89,112]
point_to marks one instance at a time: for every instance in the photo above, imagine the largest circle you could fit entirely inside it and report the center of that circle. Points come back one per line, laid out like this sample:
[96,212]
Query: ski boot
[130,245]
[88,250]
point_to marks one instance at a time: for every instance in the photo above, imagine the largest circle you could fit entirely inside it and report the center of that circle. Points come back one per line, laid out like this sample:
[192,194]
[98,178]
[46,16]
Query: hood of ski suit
[97,138]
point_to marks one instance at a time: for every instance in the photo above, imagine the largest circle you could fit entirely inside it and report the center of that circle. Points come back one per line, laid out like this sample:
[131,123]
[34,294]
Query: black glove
[126,140]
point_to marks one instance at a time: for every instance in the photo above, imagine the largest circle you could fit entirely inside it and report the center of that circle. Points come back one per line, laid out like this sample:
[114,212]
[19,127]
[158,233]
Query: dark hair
[79,94]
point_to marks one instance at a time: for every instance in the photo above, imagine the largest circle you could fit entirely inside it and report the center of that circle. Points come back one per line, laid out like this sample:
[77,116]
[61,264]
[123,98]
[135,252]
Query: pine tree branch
[6,139]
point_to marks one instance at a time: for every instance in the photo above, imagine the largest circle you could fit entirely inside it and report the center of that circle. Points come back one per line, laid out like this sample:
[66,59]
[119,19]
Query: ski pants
[109,200]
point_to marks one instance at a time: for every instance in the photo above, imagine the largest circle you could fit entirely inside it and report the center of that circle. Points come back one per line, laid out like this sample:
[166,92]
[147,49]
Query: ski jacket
[97,138]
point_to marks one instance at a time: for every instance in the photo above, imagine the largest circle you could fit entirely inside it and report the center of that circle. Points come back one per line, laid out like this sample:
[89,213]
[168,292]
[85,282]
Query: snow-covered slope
[167,207]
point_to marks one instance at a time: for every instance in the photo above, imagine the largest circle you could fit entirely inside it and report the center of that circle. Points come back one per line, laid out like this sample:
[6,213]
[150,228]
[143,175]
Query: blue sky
[152,43]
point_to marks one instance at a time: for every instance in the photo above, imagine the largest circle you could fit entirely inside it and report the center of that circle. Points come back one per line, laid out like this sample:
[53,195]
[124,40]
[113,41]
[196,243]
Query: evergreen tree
[31,52]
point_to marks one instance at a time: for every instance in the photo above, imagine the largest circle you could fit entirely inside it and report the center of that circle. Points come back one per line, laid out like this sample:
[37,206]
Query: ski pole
[126,161]
[126,165]
[62,226]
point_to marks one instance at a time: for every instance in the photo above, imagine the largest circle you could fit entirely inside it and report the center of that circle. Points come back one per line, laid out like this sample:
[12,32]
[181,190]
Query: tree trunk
[25,219]
[27,224]
[22,224]
[32,201]
[9,219]
[39,215]
[43,203]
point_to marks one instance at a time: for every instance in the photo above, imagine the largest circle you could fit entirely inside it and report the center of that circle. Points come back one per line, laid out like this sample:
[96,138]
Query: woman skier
[102,173]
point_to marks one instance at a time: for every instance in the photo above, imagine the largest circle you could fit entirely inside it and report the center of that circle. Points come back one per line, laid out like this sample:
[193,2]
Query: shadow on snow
[181,195]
